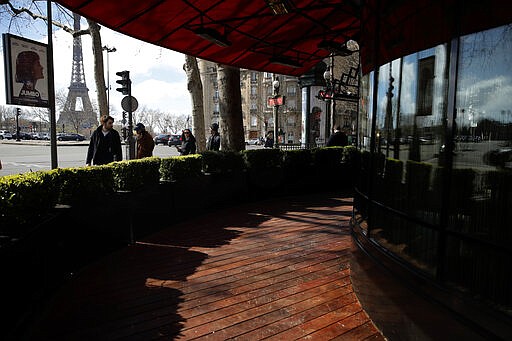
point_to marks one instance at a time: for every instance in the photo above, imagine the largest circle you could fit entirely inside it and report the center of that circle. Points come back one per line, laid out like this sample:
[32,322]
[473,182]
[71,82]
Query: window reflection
[425,211]
[484,106]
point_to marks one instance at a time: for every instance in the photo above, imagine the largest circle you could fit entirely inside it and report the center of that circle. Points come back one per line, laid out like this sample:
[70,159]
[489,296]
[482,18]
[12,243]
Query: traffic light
[125,82]
[391,87]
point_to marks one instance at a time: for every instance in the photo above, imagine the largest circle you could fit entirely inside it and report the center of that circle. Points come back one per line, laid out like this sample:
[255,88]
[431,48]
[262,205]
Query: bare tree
[195,87]
[230,101]
[175,123]
[60,99]
[147,116]
[97,50]
[6,117]
[40,114]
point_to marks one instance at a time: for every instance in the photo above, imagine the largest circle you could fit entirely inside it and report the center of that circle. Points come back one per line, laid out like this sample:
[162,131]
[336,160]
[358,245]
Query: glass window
[481,186]
[421,119]
[365,111]
[482,160]
[409,133]
[407,172]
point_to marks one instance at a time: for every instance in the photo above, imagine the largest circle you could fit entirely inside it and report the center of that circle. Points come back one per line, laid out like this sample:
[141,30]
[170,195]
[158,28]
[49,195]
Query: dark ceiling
[292,36]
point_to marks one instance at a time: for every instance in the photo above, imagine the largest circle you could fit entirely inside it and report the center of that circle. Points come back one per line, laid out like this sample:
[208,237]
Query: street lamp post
[275,86]
[333,102]
[328,113]
[108,49]
[18,113]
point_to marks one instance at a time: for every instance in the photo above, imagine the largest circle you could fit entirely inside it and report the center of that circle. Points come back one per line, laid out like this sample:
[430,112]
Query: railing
[295,146]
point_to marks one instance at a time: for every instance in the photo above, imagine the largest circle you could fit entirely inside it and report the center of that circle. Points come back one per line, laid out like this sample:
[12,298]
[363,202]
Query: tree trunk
[195,87]
[230,105]
[99,74]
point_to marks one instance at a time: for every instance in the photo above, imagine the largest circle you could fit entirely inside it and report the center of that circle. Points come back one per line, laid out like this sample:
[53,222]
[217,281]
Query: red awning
[249,34]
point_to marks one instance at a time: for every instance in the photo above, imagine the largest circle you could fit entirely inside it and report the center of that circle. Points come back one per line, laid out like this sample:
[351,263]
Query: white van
[5,134]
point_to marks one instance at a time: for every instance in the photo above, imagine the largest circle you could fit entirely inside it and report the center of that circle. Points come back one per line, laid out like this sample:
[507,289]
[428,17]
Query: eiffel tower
[78,114]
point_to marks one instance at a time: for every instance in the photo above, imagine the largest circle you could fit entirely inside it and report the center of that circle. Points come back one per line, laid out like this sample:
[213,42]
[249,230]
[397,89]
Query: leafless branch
[18,11]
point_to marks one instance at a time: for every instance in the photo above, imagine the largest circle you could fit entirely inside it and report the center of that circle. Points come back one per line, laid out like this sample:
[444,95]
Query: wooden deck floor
[274,270]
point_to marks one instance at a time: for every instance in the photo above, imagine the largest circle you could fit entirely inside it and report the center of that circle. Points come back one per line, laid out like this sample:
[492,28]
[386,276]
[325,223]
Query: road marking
[28,165]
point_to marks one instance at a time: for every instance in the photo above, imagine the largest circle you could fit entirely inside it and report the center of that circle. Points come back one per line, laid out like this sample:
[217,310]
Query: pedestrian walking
[145,143]
[213,142]
[105,144]
[269,142]
[188,143]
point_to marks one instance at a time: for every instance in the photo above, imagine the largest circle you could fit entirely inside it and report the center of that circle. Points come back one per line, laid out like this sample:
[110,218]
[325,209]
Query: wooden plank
[278,271]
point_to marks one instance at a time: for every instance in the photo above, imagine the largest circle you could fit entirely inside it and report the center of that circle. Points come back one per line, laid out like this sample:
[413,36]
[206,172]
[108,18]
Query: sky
[158,79]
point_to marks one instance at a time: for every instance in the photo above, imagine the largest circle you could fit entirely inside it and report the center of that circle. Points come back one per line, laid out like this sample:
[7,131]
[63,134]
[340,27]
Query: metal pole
[108,82]
[307,125]
[333,102]
[276,130]
[17,124]
[131,141]
[108,49]
[51,88]
[275,86]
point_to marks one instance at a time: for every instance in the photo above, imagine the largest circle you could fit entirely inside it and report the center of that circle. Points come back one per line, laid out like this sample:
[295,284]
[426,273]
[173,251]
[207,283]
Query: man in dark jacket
[105,145]
[145,143]
[269,142]
[338,138]
[213,142]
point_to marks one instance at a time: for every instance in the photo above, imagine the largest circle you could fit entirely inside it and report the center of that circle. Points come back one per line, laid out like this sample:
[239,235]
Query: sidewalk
[275,269]
[45,142]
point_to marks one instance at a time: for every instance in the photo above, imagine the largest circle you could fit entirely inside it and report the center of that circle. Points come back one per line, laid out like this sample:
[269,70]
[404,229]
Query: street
[30,156]
[27,156]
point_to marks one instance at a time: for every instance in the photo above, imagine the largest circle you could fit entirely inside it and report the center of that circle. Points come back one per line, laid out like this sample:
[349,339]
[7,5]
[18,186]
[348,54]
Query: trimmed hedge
[329,157]
[133,174]
[394,171]
[258,159]
[297,161]
[25,198]
[79,185]
[222,161]
[180,167]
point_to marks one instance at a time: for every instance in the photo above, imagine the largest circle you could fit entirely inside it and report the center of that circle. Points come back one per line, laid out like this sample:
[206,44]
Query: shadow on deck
[276,269]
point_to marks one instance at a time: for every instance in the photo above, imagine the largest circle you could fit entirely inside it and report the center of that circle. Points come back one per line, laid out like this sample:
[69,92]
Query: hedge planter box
[226,187]
[265,182]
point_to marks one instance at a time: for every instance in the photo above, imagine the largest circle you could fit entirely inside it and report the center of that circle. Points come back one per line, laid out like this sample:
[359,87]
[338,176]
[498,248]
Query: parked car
[174,140]
[162,138]
[46,136]
[5,134]
[70,137]
[254,141]
[22,136]
[40,136]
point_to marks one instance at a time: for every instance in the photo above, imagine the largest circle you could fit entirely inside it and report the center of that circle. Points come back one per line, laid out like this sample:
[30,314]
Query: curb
[44,143]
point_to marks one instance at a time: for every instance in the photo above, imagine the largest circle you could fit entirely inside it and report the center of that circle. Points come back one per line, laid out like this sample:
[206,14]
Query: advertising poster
[26,77]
